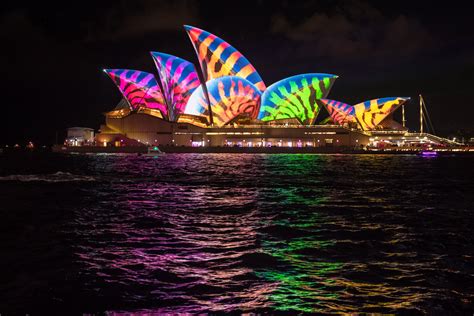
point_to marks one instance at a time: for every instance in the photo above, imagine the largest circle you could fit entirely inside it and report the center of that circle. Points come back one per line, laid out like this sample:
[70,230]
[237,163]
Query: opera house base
[147,130]
[137,132]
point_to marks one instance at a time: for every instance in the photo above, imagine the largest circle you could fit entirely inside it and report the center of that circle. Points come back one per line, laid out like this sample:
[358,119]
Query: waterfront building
[234,107]
[79,136]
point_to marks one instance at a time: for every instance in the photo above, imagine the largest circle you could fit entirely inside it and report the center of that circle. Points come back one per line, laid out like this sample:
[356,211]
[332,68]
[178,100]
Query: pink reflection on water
[179,253]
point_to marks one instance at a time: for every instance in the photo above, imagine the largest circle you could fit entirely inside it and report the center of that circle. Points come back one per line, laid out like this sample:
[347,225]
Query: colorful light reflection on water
[222,233]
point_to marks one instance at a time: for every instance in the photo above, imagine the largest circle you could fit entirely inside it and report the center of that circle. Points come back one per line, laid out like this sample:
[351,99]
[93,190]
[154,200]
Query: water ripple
[266,233]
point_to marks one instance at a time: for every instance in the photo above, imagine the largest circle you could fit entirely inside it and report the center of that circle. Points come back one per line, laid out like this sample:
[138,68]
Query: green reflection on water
[297,165]
[305,281]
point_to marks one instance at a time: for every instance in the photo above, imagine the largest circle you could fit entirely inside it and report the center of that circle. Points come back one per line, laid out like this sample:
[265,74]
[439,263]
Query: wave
[52,177]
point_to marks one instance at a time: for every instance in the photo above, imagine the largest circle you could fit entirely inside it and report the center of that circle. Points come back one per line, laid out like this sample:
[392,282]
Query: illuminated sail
[295,97]
[178,79]
[218,58]
[139,88]
[341,113]
[229,97]
[370,113]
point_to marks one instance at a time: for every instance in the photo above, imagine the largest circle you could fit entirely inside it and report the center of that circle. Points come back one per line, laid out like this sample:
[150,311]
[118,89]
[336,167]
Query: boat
[153,151]
[428,153]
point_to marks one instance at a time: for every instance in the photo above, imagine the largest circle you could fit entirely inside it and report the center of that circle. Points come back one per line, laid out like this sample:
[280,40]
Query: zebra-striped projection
[371,113]
[341,113]
[229,97]
[178,79]
[139,88]
[295,97]
[368,114]
[218,58]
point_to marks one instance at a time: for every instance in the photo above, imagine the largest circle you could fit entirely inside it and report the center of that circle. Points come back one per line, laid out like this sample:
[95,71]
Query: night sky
[53,54]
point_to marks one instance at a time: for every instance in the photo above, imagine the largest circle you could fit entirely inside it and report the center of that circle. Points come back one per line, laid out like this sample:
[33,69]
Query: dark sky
[53,53]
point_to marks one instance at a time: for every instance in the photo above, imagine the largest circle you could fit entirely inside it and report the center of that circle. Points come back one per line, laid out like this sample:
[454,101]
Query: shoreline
[250,150]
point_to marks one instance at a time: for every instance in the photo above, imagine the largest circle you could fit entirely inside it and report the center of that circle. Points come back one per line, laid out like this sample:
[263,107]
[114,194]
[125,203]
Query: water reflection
[183,243]
[305,280]
[296,233]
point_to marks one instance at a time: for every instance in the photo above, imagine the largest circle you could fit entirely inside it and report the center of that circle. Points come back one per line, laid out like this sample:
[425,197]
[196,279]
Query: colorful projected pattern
[139,88]
[229,97]
[178,79]
[370,113]
[218,58]
[341,113]
[295,97]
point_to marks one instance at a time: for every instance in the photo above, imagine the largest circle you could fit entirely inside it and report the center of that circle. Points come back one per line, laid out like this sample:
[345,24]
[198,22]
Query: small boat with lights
[153,151]
[427,153]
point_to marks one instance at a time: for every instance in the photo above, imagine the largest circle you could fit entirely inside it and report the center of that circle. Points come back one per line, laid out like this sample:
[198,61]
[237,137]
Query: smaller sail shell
[341,113]
[295,97]
[178,79]
[370,114]
[229,97]
[139,88]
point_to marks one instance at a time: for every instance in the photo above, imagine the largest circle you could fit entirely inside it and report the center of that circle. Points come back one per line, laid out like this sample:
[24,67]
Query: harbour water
[236,233]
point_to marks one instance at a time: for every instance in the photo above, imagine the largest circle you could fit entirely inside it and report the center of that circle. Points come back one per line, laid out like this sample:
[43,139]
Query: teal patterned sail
[295,97]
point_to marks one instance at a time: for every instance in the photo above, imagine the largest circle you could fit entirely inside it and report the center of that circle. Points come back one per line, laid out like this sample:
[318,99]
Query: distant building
[79,136]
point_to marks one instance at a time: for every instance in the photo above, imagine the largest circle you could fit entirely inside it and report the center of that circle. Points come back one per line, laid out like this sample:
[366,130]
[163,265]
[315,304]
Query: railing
[438,138]
[387,132]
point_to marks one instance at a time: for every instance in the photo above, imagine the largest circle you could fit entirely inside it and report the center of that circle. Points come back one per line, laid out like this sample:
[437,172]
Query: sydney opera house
[228,104]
